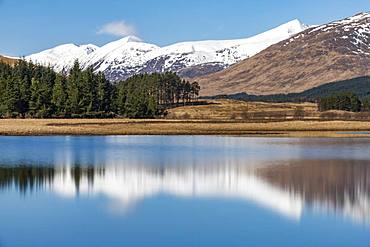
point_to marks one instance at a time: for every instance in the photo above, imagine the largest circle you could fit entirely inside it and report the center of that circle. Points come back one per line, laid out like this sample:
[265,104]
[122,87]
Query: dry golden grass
[222,117]
[260,112]
[239,110]
[178,127]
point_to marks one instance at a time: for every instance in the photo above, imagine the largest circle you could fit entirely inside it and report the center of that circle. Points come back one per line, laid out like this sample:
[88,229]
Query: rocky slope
[336,51]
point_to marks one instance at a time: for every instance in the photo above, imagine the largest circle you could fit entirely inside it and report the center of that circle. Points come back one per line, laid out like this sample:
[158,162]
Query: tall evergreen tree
[87,86]
[73,89]
[59,95]
[13,97]
[104,93]
[40,103]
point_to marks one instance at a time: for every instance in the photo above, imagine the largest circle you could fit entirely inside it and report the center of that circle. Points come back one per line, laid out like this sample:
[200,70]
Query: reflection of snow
[129,185]
[357,210]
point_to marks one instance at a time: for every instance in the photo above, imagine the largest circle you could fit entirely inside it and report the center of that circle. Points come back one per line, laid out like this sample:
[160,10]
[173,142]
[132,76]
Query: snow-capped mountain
[120,59]
[339,50]
[354,30]
[62,57]
[128,56]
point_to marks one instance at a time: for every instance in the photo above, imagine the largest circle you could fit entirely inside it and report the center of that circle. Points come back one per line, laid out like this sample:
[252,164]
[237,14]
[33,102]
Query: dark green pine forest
[33,91]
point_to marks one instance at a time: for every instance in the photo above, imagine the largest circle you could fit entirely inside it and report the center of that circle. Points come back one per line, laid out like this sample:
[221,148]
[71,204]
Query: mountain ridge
[335,51]
[129,56]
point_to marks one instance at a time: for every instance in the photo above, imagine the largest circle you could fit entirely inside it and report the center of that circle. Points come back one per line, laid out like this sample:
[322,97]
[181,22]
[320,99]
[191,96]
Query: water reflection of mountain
[336,185]
[285,187]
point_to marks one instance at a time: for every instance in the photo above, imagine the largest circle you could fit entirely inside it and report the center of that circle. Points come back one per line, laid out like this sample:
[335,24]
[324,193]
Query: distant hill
[359,86]
[8,60]
[336,51]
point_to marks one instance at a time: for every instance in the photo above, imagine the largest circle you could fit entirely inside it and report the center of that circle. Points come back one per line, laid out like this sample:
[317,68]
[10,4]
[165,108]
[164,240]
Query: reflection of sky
[173,151]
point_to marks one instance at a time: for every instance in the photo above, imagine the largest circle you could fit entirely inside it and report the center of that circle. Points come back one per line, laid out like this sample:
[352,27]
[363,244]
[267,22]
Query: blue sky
[28,26]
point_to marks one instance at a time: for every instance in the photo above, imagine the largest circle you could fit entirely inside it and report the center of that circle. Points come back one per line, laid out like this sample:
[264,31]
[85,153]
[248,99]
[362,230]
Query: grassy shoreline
[50,127]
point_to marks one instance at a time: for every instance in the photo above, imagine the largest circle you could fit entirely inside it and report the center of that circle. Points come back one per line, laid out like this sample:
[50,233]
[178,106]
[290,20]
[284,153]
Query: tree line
[147,94]
[359,86]
[34,91]
[344,101]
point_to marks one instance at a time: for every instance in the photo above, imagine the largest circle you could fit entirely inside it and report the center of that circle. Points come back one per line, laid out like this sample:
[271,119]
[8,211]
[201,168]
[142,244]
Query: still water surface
[184,191]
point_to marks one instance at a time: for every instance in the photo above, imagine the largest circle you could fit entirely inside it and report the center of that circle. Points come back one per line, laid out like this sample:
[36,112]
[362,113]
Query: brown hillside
[7,60]
[335,51]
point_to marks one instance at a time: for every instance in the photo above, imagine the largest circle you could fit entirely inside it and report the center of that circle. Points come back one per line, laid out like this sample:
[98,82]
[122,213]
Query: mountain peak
[130,39]
[294,22]
[122,42]
[65,46]
[294,26]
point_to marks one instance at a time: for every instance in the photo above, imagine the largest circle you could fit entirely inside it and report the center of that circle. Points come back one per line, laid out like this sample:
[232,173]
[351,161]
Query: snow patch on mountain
[356,29]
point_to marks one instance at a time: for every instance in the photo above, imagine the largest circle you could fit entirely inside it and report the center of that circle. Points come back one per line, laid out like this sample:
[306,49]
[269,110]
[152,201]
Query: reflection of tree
[30,178]
[25,178]
[331,181]
[78,172]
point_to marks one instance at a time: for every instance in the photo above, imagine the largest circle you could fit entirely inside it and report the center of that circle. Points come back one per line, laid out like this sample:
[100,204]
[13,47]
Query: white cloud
[118,28]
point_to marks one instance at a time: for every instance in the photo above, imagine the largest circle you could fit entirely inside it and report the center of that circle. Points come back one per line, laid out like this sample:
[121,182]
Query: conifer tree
[40,103]
[87,86]
[59,95]
[73,89]
[104,93]
[12,96]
